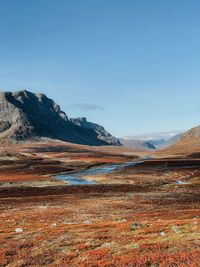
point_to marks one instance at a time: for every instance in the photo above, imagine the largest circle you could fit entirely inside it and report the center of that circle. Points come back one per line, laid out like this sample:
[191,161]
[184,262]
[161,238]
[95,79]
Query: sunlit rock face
[190,138]
[25,116]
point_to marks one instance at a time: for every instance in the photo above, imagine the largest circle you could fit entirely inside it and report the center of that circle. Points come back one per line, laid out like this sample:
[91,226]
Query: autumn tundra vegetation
[146,214]
[141,214]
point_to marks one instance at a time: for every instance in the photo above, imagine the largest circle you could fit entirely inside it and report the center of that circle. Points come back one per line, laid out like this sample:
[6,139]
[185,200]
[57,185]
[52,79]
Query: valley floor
[138,216]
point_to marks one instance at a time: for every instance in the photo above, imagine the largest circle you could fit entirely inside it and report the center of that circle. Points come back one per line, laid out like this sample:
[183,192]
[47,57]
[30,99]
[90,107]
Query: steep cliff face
[25,116]
[102,133]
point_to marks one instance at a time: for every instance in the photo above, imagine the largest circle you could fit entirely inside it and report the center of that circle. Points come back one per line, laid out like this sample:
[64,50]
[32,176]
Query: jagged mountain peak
[31,116]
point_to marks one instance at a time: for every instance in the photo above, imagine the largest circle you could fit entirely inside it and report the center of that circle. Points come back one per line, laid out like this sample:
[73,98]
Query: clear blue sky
[131,65]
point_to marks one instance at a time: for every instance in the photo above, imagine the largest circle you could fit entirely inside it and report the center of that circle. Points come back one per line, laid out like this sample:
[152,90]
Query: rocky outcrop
[25,116]
[101,132]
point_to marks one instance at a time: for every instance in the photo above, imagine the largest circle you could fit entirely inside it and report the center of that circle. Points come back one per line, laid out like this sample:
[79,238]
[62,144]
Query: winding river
[77,177]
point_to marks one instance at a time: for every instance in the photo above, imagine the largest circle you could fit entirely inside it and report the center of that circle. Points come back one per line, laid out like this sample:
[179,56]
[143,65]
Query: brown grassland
[138,215]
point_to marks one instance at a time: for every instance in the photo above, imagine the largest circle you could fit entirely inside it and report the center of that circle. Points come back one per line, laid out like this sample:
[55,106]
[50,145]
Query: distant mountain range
[28,117]
[137,144]
[25,116]
[152,140]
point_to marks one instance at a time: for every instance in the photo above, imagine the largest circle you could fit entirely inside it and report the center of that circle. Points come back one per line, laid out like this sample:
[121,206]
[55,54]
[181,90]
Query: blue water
[181,182]
[76,178]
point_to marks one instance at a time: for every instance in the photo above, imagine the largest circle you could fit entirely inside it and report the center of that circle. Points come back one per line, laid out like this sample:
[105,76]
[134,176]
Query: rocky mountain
[25,116]
[102,133]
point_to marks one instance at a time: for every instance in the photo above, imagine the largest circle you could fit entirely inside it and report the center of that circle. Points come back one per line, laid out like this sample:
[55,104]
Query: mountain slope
[188,142]
[28,116]
[192,135]
[189,138]
[102,133]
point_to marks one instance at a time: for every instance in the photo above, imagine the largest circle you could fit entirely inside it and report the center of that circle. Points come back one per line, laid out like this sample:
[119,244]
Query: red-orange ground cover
[8,177]
[148,223]
[94,229]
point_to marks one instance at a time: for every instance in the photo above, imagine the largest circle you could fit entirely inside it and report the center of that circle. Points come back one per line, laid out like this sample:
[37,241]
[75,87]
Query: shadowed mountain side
[25,116]
[102,133]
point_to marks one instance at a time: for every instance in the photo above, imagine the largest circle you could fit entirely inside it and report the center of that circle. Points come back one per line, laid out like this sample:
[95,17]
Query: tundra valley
[72,195]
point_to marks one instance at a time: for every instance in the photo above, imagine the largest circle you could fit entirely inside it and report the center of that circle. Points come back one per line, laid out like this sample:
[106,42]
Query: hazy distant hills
[179,141]
[152,140]
[137,144]
[161,143]
[25,116]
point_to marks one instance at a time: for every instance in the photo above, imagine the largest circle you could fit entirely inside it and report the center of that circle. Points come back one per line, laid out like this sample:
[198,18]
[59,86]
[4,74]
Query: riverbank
[34,164]
[89,176]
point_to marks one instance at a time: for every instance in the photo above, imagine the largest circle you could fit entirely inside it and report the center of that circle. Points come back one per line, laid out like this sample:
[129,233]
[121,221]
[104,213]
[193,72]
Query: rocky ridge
[102,133]
[26,116]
